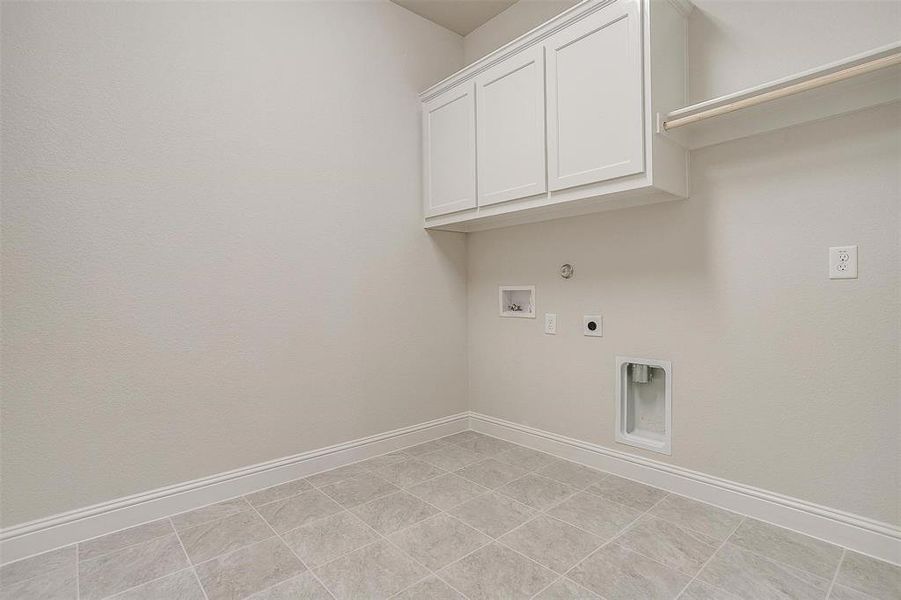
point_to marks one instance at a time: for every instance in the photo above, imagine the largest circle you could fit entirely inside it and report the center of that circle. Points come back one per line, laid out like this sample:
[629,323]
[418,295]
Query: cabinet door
[510,124]
[595,101]
[449,151]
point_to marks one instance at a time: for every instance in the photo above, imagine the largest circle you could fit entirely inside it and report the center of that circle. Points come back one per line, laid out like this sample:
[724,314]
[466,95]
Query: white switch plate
[843,262]
[598,325]
[550,323]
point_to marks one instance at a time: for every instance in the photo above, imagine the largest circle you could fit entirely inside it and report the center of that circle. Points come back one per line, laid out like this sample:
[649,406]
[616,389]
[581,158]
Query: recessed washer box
[517,301]
[644,403]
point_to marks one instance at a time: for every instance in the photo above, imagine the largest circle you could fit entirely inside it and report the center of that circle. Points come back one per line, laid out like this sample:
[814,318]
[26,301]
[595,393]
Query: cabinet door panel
[594,80]
[449,151]
[510,123]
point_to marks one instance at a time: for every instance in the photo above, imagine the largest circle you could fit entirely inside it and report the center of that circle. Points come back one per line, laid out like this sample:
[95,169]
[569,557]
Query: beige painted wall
[783,379]
[212,243]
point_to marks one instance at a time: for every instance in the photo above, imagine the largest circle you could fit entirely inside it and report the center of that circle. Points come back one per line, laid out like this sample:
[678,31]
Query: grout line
[127,546]
[190,562]
[182,544]
[289,496]
[77,573]
[478,495]
[149,581]
[835,575]
[782,563]
[199,584]
[536,514]
[185,512]
[708,561]
[412,585]
[294,554]
[686,527]
[216,520]
[602,546]
[406,554]
[385,538]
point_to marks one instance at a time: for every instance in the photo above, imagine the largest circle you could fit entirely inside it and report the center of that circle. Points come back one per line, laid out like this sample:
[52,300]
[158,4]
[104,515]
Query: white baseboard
[880,540]
[867,536]
[41,535]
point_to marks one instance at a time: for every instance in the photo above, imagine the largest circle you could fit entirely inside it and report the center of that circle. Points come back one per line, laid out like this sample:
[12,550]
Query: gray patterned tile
[677,548]
[359,490]
[126,537]
[299,510]
[218,537]
[566,589]
[698,590]
[439,541]
[396,511]
[302,587]
[485,445]
[446,491]
[629,493]
[594,514]
[497,572]
[875,577]
[840,592]
[526,458]
[570,473]
[790,548]
[209,513]
[536,491]
[451,458]
[425,448]
[697,516]
[337,475]
[493,514]
[552,543]
[491,473]
[248,570]
[618,574]
[130,567]
[385,460]
[278,492]
[750,576]
[462,437]
[326,539]
[409,473]
[178,586]
[39,564]
[430,588]
[373,572]
[59,584]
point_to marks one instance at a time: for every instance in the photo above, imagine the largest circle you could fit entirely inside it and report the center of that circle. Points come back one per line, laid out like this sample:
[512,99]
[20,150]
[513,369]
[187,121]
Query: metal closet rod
[795,88]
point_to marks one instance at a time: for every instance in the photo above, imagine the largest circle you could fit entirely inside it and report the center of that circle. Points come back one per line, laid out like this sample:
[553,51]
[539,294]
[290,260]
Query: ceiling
[461,16]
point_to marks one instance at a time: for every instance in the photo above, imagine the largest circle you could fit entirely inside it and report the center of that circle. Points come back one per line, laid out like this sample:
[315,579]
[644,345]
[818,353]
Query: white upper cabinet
[510,126]
[561,121]
[449,151]
[594,100]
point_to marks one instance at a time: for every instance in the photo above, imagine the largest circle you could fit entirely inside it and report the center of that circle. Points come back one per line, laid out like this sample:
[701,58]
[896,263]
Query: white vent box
[644,403]
[517,301]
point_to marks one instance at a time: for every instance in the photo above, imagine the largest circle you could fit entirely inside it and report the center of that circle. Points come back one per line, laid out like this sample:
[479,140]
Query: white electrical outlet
[593,325]
[843,262]
[550,323]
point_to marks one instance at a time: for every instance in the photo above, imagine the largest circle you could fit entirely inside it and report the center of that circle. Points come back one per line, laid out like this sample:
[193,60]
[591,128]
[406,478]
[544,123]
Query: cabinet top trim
[529,39]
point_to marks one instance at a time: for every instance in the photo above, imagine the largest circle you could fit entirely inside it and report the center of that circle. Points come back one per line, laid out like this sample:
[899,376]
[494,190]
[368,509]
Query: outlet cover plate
[843,262]
[550,323]
[593,325]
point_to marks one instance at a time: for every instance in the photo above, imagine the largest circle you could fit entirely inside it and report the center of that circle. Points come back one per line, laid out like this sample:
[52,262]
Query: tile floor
[467,516]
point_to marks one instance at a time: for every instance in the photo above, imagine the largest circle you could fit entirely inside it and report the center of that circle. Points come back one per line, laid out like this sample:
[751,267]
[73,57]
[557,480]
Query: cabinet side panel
[666,79]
